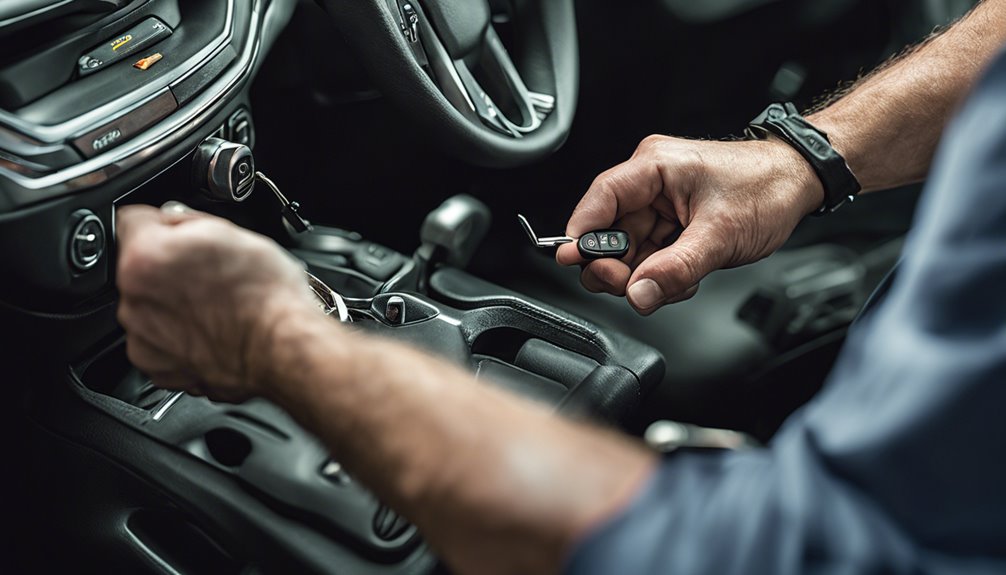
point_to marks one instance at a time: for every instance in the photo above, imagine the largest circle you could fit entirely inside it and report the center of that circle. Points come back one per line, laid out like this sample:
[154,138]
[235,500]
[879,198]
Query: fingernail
[173,207]
[645,294]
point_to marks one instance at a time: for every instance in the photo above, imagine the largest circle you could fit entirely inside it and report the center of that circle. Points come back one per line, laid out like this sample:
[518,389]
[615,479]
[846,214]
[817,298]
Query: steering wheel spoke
[444,62]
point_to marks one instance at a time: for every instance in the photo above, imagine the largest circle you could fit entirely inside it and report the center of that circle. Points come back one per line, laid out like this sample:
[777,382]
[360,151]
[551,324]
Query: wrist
[837,179]
[279,345]
[807,192]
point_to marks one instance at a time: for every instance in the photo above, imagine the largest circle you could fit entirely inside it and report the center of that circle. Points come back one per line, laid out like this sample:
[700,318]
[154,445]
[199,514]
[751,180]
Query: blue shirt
[899,464]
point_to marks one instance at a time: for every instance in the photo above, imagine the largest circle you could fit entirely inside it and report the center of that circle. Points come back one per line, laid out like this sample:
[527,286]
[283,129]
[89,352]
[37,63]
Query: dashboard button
[240,129]
[125,127]
[87,240]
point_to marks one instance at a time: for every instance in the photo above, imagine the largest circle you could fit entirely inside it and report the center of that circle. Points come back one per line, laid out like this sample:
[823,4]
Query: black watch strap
[783,120]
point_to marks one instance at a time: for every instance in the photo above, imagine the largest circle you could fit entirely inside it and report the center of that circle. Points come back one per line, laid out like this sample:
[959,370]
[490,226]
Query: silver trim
[449,320]
[183,122]
[328,297]
[166,405]
[150,554]
[543,104]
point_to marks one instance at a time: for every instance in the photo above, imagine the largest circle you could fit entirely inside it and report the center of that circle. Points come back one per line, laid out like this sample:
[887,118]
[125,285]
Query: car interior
[389,146]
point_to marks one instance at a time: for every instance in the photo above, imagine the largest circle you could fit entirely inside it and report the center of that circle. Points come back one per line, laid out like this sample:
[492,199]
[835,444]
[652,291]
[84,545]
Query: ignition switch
[223,170]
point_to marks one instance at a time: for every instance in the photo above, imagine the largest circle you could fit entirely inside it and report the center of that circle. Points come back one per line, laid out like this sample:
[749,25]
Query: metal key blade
[547,242]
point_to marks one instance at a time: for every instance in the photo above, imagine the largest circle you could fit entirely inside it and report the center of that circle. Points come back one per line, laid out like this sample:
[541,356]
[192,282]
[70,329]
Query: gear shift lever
[451,234]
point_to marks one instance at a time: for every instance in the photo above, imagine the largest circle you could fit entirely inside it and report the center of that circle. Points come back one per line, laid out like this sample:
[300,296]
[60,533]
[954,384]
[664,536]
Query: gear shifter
[451,234]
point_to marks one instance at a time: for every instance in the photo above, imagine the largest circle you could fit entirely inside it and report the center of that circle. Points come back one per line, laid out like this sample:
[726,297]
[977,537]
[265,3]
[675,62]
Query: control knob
[223,170]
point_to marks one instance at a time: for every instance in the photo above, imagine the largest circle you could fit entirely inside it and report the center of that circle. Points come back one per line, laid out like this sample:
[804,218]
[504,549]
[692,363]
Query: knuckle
[651,142]
[689,261]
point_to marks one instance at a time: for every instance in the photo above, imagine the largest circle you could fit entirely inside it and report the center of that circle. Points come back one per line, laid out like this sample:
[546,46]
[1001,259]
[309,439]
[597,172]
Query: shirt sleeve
[899,464]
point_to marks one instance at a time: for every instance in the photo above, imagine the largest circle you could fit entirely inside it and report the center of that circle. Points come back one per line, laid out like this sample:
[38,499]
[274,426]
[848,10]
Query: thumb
[673,273]
[173,213]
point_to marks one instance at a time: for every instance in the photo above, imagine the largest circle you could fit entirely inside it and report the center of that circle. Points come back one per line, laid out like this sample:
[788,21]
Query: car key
[289,211]
[592,245]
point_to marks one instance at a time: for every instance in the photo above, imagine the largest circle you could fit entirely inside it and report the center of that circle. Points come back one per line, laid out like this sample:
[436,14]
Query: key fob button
[604,244]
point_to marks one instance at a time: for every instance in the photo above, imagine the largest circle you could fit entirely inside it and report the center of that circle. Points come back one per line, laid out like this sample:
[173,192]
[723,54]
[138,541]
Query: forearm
[889,124]
[491,480]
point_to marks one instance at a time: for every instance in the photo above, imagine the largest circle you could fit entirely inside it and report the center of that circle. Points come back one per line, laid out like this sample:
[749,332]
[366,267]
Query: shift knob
[456,228]
[224,171]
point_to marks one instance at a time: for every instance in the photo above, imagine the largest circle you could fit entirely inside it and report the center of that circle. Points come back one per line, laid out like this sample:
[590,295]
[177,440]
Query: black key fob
[603,244]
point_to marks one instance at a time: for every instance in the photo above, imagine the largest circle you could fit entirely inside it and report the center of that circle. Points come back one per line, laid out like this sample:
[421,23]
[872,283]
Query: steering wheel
[443,63]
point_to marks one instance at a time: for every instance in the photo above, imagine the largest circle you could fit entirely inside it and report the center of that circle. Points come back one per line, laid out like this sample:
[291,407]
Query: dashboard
[98,97]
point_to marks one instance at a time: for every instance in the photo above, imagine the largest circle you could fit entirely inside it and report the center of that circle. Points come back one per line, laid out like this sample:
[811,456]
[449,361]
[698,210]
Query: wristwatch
[783,120]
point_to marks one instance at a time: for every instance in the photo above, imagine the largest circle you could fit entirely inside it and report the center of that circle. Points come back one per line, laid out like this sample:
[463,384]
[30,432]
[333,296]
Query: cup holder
[228,447]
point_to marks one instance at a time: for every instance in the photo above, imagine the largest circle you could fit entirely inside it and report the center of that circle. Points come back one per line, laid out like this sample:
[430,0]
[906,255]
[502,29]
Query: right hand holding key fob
[592,245]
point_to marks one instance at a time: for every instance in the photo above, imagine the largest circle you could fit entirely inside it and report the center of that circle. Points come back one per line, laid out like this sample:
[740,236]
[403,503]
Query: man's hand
[200,298]
[691,207]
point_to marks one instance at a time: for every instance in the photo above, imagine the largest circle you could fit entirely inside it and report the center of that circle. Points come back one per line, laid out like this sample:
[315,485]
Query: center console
[226,475]
[128,477]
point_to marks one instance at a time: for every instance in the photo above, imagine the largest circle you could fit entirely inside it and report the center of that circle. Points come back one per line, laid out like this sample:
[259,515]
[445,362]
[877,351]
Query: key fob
[603,244]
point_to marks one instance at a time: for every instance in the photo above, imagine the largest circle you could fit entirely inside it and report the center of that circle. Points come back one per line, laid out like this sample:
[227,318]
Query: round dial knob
[224,171]
[87,240]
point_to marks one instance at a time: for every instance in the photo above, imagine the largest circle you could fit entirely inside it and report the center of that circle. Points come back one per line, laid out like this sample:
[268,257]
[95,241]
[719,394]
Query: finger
[173,212]
[688,294]
[646,250]
[568,255]
[640,225]
[629,186]
[672,271]
[607,276]
[178,381]
[590,282]
[129,220]
[146,356]
[665,232]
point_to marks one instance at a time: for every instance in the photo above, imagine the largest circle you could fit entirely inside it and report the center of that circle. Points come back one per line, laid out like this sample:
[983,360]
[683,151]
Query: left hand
[200,298]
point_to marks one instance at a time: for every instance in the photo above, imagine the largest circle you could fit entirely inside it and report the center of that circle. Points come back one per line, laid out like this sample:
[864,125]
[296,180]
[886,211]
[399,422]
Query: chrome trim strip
[449,320]
[156,139]
[166,405]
